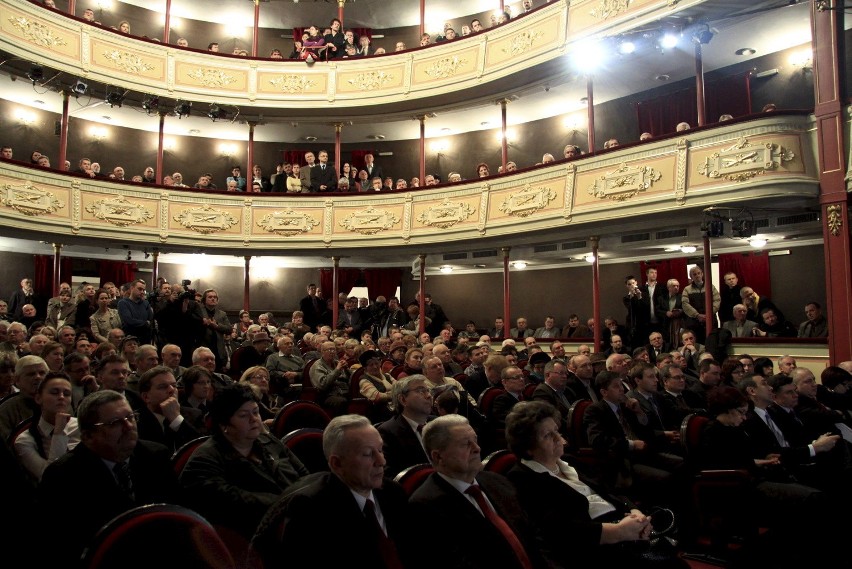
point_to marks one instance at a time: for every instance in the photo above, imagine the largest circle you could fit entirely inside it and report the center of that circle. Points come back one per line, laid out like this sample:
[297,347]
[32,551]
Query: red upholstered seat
[499,461]
[412,477]
[298,415]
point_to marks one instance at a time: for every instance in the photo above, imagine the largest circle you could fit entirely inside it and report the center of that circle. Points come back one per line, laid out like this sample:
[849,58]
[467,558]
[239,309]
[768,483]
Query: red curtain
[751,268]
[118,272]
[362,32]
[383,282]
[43,273]
[666,269]
[293,157]
[346,279]
[358,160]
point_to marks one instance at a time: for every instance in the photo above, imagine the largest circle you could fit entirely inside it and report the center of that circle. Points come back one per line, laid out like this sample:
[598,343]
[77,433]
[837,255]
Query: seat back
[461,378]
[691,429]
[126,541]
[354,383]
[181,455]
[388,365]
[297,415]
[528,391]
[396,371]
[486,399]
[412,477]
[576,431]
[306,444]
[19,428]
[499,461]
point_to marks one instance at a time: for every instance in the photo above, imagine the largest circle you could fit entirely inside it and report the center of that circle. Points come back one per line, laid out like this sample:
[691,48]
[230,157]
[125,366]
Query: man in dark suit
[730,295]
[351,495]
[657,347]
[373,169]
[163,419]
[110,472]
[112,374]
[670,312]
[403,442]
[552,390]
[312,307]
[646,392]
[499,331]
[323,176]
[513,383]
[480,510]
[581,376]
[678,402]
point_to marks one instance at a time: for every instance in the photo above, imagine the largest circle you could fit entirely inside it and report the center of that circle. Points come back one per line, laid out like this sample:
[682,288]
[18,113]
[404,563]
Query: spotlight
[590,258]
[520,265]
[36,74]
[626,47]
[79,88]
[742,228]
[151,103]
[688,249]
[704,35]
[714,228]
[182,109]
[668,41]
[217,113]
[446,269]
[114,98]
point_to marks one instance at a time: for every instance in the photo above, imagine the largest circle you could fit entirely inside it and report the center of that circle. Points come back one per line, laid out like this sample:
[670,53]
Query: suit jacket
[401,447]
[293,524]
[57,312]
[748,326]
[305,177]
[673,415]
[575,390]
[151,429]
[580,331]
[763,442]
[514,333]
[81,484]
[375,172]
[496,334]
[472,542]
[500,408]
[605,432]
[323,177]
[544,392]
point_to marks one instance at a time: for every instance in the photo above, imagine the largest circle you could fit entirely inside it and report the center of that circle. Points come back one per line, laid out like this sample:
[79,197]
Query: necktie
[122,476]
[656,411]
[779,436]
[624,426]
[420,428]
[386,547]
[500,525]
[681,404]
[796,417]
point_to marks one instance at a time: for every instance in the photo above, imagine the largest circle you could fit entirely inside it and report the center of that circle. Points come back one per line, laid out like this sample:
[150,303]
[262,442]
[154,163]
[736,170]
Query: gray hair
[335,432]
[401,387]
[437,433]
[89,410]
[28,361]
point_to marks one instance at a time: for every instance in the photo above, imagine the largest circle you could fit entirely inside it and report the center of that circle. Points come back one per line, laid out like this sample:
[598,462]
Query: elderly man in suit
[402,435]
[740,326]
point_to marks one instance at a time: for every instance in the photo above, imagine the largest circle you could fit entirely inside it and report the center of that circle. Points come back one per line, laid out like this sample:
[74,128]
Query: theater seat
[182,455]
[298,415]
[412,477]
[306,444]
[499,461]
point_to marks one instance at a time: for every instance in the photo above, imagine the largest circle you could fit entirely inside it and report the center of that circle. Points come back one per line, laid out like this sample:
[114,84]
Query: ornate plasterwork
[369,221]
[292,83]
[37,33]
[128,62]
[743,161]
[370,80]
[205,219]
[446,67]
[446,214]
[834,218]
[211,77]
[680,173]
[527,201]
[30,200]
[609,8]
[522,42]
[119,211]
[287,222]
[624,182]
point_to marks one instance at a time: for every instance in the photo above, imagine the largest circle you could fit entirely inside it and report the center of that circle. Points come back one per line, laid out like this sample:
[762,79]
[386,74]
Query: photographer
[214,325]
[638,317]
[176,323]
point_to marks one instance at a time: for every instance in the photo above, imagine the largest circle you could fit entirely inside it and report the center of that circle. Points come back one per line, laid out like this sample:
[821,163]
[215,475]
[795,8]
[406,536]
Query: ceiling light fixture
[79,88]
[114,97]
[446,269]
[745,51]
[757,243]
[626,47]
[589,258]
[688,249]
[36,74]
[668,41]
[151,103]
[520,265]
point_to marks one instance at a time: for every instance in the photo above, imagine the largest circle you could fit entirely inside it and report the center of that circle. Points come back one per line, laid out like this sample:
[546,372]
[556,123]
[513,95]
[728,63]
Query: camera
[188,292]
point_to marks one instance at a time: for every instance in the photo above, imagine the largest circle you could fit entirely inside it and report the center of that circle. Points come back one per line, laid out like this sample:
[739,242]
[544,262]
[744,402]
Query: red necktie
[386,547]
[501,526]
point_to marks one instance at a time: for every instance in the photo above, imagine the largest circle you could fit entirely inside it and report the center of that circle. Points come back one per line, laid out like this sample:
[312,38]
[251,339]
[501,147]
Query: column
[246,283]
[710,321]
[422,19]
[699,83]
[63,133]
[250,165]
[338,163]
[72,9]
[504,150]
[335,293]
[590,117]
[507,302]
[422,119]
[340,4]
[596,292]
[155,268]
[255,31]
[829,86]
[167,26]
[422,297]
[160,148]
[57,250]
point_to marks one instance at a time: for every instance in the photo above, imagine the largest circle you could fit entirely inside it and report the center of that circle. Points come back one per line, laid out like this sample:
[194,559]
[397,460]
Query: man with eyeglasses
[330,376]
[110,472]
[512,378]
[403,442]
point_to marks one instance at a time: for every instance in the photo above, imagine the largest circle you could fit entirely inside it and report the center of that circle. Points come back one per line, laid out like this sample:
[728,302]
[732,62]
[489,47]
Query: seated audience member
[53,355]
[578,523]
[571,151]
[330,376]
[512,379]
[257,377]
[7,374]
[197,387]
[645,136]
[816,326]
[773,326]
[682,126]
[285,367]
[740,326]
[403,441]
[376,385]
[764,367]
[725,117]
[549,330]
[162,419]
[372,509]
[30,371]
[237,474]
[611,143]
[118,470]
[756,304]
[53,431]
[464,501]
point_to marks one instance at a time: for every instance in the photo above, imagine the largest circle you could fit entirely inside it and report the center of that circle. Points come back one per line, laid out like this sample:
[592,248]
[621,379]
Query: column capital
[505,251]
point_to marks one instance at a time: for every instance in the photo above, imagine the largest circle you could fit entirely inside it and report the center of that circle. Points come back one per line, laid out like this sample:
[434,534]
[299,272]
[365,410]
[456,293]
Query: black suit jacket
[471,541]
[763,442]
[151,429]
[296,523]
[81,485]
[376,172]
[605,432]
[544,392]
[401,447]
[500,408]
[575,390]
[323,177]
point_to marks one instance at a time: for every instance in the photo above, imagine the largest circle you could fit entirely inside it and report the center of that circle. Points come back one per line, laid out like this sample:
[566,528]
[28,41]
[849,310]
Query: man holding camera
[638,316]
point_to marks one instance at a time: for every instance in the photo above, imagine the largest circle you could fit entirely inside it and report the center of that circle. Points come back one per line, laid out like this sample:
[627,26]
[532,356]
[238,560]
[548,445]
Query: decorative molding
[522,42]
[370,80]
[406,217]
[624,182]
[484,196]
[834,219]
[672,3]
[609,8]
[570,178]
[119,211]
[30,200]
[680,175]
[214,78]
[164,216]
[328,222]
[292,84]
[205,219]
[287,222]
[37,33]
[76,209]
[247,219]
[446,214]
[527,201]
[743,161]
[369,221]
[446,67]
[127,62]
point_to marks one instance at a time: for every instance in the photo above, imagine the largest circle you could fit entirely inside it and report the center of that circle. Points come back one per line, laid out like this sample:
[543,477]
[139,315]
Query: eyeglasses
[420,390]
[514,377]
[118,421]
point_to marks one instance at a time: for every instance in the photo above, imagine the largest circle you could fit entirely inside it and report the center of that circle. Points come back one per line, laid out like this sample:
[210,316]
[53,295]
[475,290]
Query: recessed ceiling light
[757,242]
[106,117]
[590,258]
[445,129]
[194,131]
[520,264]
[745,51]
[479,266]
[38,102]
[446,269]
[584,101]
[376,136]
[662,77]
[311,138]
[688,249]
[485,123]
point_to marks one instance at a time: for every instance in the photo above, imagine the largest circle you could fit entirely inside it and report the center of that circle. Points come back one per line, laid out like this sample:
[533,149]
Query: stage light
[151,103]
[36,74]
[115,98]
[79,88]
[668,41]
[182,109]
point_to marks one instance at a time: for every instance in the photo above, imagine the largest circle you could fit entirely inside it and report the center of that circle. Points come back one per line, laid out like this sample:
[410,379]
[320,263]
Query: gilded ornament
[608,8]
[446,214]
[205,219]
[211,77]
[30,200]
[370,80]
[522,42]
[834,215]
[624,182]
[743,161]
[119,211]
[446,67]
[287,222]
[527,201]
[36,32]
[128,62]
[292,83]
[369,221]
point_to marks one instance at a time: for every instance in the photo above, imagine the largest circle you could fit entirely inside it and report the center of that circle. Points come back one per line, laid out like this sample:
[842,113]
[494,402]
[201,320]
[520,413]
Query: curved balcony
[528,49]
[770,158]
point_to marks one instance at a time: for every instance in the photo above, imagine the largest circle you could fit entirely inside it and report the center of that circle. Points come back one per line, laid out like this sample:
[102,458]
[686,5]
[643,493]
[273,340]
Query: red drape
[346,279]
[666,269]
[751,268]
[293,157]
[43,273]
[118,272]
[727,95]
[383,282]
